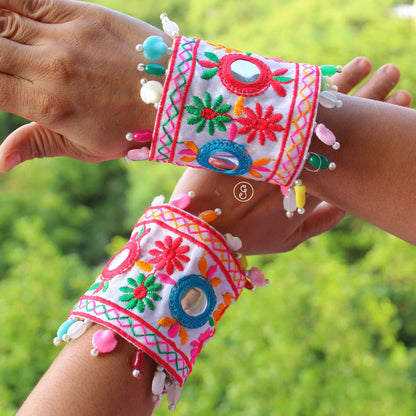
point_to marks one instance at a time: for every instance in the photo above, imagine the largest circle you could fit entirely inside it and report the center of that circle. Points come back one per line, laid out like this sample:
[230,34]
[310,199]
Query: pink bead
[138,154]
[256,277]
[181,201]
[284,189]
[142,136]
[325,135]
[104,341]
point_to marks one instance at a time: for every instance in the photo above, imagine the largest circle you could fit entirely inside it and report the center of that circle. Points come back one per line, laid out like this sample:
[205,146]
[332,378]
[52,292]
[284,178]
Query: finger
[352,74]
[47,11]
[401,97]
[19,29]
[33,141]
[323,218]
[380,84]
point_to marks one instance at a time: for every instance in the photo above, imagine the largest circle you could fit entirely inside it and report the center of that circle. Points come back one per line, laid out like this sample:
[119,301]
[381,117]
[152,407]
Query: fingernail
[391,71]
[13,160]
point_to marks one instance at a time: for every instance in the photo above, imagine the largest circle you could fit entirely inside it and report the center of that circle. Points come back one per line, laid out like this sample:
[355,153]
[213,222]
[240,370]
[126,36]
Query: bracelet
[165,292]
[236,113]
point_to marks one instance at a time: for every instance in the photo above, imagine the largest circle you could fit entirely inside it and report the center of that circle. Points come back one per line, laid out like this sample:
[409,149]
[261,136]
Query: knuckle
[10,24]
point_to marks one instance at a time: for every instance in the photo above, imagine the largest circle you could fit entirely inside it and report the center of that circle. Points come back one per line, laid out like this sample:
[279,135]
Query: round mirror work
[118,260]
[194,301]
[245,71]
[223,161]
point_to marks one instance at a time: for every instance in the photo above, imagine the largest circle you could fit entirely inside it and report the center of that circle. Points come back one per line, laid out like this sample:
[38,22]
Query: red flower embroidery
[170,255]
[259,125]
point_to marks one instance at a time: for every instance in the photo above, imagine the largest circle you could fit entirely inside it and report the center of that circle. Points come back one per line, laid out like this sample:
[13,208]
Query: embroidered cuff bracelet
[236,113]
[164,292]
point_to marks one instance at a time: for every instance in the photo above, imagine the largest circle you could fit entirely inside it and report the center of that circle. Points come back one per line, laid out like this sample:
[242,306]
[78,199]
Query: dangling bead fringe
[103,341]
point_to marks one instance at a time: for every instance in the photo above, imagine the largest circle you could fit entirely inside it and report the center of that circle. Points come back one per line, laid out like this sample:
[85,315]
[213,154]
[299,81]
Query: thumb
[323,218]
[32,141]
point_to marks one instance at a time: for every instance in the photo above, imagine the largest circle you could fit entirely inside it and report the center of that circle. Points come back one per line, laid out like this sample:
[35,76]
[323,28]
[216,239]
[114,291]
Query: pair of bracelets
[237,113]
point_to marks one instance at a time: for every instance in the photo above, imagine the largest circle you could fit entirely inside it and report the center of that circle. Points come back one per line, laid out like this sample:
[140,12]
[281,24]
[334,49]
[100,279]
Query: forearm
[375,175]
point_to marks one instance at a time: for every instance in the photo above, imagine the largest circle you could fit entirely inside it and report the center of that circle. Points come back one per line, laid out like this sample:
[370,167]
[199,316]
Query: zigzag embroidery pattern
[172,111]
[294,151]
[106,313]
[190,228]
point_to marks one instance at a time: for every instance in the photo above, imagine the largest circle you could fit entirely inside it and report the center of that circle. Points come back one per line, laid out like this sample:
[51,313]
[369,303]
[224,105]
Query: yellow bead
[208,216]
[300,195]
[242,259]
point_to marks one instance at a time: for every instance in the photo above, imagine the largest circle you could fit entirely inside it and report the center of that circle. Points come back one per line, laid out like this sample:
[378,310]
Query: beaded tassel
[154,48]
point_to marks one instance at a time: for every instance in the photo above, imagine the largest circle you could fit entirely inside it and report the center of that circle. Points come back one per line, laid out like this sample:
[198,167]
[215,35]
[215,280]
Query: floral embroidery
[204,112]
[212,64]
[260,126]
[170,255]
[226,48]
[259,166]
[175,329]
[228,300]
[199,344]
[142,293]
[279,79]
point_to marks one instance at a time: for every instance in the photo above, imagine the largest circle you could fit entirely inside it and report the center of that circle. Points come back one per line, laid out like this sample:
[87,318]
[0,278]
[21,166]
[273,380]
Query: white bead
[171,407]
[234,243]
[191,194]
[143,81]
[57,341]
[171,28]
[140,67]
[218,211]
[174,394]
[136,373]
[289,201]
[151,92]
[158,200]
[301,211]
[332,166]
[94,352]
[339,68]
[336,146]
[289,214]
[298,182]
[163,16]
[139,47]
[129,137]
[328,100]
[158,383]
[77,329]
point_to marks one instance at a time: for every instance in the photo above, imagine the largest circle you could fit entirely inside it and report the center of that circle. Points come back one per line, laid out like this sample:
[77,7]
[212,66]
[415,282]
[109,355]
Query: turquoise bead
[63,329]
[328,70]
[318,161]
[154,69]
[154,48]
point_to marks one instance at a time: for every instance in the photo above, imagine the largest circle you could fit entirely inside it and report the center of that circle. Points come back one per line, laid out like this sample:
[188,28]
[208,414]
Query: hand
[261,223]
[70,67]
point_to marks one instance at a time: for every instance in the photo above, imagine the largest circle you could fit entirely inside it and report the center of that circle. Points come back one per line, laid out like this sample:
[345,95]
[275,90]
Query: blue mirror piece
[183,307]
[225,156]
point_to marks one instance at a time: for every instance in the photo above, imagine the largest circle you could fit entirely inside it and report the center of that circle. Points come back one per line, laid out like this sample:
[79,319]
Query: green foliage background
[335,332]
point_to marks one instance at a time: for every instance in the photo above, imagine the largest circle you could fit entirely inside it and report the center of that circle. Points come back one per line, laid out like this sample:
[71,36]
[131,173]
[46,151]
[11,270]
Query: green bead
[318,161]
[328,70]
[154,69]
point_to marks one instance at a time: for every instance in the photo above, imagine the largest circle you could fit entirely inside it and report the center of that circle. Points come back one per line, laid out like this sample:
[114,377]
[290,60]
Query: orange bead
[208,216]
